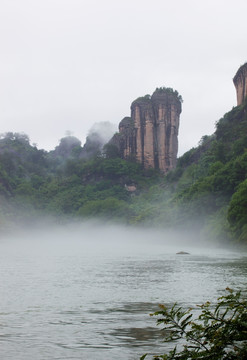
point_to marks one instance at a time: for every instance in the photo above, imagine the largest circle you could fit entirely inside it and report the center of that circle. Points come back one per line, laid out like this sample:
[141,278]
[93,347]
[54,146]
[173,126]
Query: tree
[237,212]
[218,333]
[109,208]
[111,151]
[68,147]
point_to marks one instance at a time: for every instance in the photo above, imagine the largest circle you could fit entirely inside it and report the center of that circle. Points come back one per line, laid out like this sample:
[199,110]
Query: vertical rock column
[173,140]
[148,148]
[150,135]
[240,82]
[125,140]
[143,117]
[161,137]
[136,116]
[167,109]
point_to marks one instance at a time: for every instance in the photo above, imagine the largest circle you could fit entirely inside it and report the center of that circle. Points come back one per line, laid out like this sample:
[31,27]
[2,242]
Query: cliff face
[149,136]
[240,82]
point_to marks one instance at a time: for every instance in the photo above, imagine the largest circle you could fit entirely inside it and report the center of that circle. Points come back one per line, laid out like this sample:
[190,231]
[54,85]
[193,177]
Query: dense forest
[206,191]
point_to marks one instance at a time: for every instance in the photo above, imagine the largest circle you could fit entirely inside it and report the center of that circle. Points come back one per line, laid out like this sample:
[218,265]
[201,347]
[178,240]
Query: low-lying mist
[94,237]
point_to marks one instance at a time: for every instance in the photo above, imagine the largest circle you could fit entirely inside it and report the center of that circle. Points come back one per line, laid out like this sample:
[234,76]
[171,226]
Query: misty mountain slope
[64,183]
[207,191]
[19,161]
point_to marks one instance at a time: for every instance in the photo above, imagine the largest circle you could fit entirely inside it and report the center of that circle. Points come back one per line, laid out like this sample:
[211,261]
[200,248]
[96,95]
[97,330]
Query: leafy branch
[218,333]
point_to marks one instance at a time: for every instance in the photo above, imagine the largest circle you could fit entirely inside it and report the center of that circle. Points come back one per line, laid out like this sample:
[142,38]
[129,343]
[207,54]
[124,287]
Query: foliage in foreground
[218,333]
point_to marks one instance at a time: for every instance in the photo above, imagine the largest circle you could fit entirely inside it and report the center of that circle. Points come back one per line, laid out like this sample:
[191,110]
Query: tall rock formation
[240,82]
[150,135]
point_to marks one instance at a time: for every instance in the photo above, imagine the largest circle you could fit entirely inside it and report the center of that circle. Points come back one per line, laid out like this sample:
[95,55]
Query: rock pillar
[240,82]
[150,135]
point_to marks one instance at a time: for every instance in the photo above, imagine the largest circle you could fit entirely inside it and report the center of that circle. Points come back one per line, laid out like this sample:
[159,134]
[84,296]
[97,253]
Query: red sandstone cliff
[240,82]
[150,135]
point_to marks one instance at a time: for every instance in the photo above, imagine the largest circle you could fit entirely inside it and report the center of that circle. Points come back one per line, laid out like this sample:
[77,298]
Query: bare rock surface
[240,82]
[150,135]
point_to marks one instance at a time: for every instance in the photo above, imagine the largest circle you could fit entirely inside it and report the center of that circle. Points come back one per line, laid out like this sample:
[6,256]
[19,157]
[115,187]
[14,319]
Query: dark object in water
[182,253]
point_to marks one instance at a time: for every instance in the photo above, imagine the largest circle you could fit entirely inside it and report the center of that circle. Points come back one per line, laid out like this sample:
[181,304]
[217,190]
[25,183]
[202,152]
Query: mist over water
[79,291]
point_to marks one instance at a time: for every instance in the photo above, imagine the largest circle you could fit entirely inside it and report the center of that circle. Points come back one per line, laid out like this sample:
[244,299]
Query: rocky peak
[240,82]
[149,135]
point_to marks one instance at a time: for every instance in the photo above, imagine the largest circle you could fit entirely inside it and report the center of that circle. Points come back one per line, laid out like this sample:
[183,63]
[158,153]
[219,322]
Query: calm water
[86,292]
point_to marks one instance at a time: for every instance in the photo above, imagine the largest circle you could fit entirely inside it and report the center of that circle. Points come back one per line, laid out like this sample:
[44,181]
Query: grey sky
[66,64]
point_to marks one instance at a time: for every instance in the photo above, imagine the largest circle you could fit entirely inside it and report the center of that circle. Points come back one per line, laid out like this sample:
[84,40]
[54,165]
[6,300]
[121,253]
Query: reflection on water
[138,336]
[88,293]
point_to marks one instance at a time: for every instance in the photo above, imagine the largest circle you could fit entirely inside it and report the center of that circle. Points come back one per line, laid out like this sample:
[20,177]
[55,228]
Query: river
[86,292]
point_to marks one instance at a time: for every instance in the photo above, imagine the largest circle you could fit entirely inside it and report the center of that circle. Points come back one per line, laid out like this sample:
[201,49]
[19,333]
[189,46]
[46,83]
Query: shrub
[218,333]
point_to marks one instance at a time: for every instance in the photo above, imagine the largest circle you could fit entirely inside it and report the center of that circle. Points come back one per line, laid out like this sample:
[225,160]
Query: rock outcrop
[150,135]
[240,82]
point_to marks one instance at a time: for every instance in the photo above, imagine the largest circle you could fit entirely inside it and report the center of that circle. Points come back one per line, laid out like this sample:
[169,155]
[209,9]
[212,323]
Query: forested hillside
[207,191]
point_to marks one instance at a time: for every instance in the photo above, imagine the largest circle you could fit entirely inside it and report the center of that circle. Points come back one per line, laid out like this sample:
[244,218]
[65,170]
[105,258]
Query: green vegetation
[169,91]
[218,333]
[64,184]
[207,189]
[160,90]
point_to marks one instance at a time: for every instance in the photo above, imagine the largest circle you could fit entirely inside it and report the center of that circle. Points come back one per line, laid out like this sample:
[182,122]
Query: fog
[99,134]
[84,290]
[103,131]
[95,237]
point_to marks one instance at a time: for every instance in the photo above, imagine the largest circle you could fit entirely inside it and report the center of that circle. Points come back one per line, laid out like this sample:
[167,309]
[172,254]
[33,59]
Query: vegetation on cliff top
[161,90]
[171,91]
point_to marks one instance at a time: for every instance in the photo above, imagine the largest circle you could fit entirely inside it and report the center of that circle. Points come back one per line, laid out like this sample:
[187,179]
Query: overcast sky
[67,64]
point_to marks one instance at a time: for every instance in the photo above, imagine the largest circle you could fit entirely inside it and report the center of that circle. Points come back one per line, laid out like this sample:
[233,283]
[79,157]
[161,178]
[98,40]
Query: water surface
[86,292]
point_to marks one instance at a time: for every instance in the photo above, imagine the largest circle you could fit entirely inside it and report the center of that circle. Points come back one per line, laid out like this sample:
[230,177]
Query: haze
[67,64]
[94,237]
[85,290]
